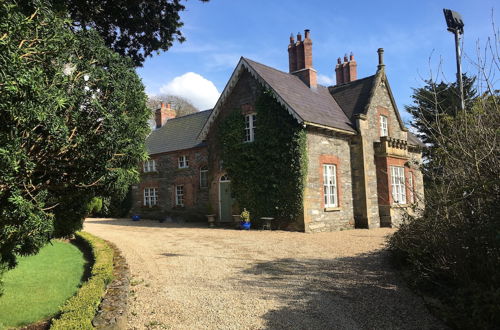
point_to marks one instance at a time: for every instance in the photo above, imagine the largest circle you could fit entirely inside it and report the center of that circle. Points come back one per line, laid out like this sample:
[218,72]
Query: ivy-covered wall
[268,174]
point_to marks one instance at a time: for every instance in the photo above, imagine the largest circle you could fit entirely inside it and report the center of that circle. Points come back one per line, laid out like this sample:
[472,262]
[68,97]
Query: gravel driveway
[187,277]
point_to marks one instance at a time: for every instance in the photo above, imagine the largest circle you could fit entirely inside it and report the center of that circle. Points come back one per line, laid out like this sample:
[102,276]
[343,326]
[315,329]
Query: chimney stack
[347,71]
[163,114]
[300,59]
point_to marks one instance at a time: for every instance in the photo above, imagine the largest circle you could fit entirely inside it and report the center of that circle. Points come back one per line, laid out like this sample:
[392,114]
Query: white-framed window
[411,196]
[250,121]
[330,185]
[203,177]
[383,126]
[179,195]
[183,161]
[149,166]
[150,196]
[398,184]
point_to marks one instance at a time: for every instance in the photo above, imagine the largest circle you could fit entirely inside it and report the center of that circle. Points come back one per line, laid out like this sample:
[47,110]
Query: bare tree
[179,103]
[451,249]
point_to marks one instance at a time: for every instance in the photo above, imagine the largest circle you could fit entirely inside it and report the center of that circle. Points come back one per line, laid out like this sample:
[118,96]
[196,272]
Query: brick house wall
[165,178]
[242,99]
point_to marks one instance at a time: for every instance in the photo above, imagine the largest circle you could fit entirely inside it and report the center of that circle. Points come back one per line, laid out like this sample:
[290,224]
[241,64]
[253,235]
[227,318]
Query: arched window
[203,177]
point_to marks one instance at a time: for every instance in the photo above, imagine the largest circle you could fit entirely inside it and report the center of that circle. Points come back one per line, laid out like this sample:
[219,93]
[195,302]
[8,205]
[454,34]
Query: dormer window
[383,126]
[149,166]
[250,120]
[183,162]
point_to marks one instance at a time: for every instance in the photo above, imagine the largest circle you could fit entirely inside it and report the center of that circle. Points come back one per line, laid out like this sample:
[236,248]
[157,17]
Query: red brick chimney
[347,71]
[300,59]
[164,113]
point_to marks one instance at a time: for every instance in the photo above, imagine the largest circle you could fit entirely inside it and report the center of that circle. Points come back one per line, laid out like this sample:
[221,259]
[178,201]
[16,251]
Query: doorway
[225,199]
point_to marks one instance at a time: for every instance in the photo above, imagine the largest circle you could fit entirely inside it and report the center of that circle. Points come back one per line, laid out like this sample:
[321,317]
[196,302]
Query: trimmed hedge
[79,311]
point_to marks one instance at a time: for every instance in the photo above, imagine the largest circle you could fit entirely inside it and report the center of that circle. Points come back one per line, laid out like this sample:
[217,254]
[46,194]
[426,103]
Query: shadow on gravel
[361,292]
[146,223]
[156,223]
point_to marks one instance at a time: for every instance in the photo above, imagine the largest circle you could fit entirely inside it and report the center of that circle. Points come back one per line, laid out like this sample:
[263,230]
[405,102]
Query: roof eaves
[229,86]
[391,96]
[331,128]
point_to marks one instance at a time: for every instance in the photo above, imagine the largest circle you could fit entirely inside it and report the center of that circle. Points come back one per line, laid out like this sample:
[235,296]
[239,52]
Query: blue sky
[412,33]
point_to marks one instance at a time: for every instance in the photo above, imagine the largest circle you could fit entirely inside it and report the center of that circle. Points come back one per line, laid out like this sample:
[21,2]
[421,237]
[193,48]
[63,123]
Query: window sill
[332,209]
[400,206]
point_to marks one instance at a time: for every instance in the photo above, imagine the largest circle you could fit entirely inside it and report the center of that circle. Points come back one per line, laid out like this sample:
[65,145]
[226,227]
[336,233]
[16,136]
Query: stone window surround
[333,160]
[384,130]
[383,111]
[410,187]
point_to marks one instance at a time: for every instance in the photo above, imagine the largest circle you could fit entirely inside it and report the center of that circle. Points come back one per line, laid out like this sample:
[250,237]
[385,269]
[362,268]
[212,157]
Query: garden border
[80,310]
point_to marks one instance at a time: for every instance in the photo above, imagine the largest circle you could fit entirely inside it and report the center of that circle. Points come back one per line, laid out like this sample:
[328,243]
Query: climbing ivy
[268,174]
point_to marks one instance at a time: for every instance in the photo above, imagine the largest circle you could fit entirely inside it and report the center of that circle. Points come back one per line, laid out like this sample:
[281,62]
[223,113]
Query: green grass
[40,284]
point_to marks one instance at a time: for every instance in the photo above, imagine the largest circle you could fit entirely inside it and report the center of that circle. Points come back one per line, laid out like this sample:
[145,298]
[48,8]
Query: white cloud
[196,89]
[325,80]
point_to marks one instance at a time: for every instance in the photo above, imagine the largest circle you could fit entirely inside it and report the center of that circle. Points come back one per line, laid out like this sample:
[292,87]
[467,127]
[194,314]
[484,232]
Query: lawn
[36,288]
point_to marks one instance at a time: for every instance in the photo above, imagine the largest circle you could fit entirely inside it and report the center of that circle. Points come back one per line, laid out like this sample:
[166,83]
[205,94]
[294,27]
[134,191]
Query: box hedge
[79,311]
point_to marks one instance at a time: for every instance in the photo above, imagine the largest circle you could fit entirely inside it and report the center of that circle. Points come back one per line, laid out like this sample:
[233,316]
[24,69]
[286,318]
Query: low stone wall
[112,313]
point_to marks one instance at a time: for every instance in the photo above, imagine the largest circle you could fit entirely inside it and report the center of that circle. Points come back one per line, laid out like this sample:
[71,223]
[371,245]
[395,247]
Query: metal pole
[459,68]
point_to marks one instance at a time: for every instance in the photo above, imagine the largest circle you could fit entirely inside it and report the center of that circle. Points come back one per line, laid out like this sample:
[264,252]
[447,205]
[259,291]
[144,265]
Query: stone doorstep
[112,312]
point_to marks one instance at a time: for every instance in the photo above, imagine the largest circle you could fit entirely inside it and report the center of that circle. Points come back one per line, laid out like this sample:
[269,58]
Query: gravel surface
[187,277]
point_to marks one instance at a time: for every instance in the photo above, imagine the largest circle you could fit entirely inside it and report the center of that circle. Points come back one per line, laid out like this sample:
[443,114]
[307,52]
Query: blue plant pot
[246,225]
[136,217]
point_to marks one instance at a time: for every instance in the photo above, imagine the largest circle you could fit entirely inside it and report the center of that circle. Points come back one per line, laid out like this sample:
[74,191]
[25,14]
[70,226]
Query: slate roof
[414,140]
[311,106]
[178,133]
[354,96]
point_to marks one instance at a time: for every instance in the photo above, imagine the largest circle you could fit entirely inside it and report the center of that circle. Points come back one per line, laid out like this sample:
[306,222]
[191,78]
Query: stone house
[362,163]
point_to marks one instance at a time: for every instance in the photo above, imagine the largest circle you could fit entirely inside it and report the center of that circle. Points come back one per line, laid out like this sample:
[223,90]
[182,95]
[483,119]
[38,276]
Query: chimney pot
[380,52]
[292,40]
[345,58]
[299,37]
[339,60]
[351,57]
[306,33]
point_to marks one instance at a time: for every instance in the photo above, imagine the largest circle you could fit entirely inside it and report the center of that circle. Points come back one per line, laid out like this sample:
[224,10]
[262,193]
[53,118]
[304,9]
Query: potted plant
[210,216]
[245,220]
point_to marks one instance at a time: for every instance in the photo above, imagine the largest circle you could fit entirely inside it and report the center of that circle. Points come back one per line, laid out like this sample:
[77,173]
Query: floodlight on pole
[456,26]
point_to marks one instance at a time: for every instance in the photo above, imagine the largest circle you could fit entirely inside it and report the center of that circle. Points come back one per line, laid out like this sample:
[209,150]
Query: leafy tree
[134,28]
[74,122]
[181,105]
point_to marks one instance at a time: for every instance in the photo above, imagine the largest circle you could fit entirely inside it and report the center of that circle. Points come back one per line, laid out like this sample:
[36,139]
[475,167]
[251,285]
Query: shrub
[95,206]
[452,251]
[79,311]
